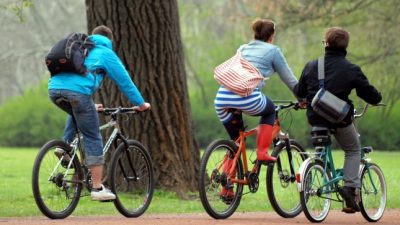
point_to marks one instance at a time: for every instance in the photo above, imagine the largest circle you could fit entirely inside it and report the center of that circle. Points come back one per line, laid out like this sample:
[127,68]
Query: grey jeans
[349,140]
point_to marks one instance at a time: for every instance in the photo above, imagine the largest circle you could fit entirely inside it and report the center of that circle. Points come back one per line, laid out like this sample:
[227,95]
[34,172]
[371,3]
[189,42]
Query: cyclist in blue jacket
[77,91]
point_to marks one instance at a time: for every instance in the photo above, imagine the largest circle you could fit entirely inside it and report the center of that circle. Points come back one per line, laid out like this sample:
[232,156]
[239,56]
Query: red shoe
[264,139]
[227,195]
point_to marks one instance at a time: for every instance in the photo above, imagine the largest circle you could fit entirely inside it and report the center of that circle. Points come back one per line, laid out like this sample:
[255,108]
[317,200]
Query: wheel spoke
[131,176]
[281,182]
[55,189]
[315,203]
[372,193]
[212,178]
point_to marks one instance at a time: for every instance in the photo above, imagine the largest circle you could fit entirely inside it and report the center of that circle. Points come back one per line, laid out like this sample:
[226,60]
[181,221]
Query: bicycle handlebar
[364,110]
[289,104]
[119,110]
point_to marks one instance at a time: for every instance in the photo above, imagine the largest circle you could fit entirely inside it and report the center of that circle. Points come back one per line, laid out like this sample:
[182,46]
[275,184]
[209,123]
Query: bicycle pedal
[229,185]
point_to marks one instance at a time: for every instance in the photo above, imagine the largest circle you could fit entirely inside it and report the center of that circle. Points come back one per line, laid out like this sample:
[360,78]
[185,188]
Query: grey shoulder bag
[325,103]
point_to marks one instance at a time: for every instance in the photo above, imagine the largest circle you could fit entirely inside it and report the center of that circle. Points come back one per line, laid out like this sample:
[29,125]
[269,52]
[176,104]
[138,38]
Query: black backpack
[68,54]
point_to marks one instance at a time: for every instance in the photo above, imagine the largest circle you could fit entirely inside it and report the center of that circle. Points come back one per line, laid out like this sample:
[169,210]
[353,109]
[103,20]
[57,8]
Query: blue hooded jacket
[100,57]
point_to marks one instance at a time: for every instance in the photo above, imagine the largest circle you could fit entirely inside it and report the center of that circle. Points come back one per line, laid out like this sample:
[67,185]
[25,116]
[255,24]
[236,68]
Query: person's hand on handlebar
[99,107]
[303,104]
[145,106]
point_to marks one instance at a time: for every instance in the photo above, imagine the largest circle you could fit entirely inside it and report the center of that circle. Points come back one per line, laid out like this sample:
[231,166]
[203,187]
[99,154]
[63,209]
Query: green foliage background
[213,30]
[30,119]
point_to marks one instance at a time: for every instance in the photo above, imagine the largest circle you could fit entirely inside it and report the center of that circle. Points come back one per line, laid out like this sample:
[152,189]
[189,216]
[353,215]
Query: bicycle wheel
[281,179]
[314,197]
[56,188]
[131,179]
[210,180]
[372,192]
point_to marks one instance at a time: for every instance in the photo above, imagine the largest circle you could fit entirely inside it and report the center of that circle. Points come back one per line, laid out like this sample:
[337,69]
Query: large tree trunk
[147,39]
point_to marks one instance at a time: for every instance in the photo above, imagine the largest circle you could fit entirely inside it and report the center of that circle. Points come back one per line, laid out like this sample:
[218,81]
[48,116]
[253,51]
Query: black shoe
[62,154]
[349,196]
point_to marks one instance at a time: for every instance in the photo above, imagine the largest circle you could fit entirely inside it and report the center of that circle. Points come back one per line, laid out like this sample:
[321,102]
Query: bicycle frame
[115,135]
[337,175]
[325,155]
[277,135]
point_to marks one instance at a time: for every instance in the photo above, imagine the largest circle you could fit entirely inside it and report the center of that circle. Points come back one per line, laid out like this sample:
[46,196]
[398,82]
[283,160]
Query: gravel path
[391,217]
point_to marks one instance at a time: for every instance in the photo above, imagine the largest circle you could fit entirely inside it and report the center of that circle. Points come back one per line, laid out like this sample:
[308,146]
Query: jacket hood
[101,40]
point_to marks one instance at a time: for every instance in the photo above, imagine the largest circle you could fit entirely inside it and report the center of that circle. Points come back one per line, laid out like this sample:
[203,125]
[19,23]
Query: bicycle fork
[130,163]
[291,177]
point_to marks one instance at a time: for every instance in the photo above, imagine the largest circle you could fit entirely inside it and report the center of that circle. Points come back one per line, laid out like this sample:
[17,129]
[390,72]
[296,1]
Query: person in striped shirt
[267,58]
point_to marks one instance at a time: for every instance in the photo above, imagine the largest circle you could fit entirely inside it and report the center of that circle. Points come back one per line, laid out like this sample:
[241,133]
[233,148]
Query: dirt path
[391,217]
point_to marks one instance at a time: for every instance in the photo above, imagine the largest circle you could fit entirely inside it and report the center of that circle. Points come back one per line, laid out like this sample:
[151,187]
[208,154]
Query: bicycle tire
[132,178]
[373,208]
[210,184]
[282,186]
[55,196]
[310,187]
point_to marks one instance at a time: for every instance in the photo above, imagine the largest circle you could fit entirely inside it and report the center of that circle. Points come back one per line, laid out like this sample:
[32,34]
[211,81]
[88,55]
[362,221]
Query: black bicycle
[57,183]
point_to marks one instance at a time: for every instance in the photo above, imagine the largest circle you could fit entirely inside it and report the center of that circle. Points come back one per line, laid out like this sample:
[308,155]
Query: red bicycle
[280,179]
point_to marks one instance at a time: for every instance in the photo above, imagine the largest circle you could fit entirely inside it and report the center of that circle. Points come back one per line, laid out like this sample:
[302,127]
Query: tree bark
[147,39]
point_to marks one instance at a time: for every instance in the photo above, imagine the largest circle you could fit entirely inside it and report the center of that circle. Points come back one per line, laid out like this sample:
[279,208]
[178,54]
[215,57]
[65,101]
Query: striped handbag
[238,75]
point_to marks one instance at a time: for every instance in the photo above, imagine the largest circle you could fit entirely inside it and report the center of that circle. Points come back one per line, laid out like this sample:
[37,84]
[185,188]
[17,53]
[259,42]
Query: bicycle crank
[253,182]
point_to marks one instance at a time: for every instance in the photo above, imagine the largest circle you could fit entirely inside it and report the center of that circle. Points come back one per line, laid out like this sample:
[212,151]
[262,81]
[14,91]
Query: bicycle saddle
[320,136]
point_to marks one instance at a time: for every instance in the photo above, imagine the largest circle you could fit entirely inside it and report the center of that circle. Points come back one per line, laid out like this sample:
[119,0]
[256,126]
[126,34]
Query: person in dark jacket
[341,77]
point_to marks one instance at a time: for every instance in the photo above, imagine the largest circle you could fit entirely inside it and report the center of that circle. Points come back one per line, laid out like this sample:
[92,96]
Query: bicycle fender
[360,170]
[301,174]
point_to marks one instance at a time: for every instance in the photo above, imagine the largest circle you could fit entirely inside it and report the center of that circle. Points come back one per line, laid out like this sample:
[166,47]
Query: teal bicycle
[319,181]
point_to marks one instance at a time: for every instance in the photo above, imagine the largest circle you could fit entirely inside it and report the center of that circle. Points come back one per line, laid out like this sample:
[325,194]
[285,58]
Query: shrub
[30,119]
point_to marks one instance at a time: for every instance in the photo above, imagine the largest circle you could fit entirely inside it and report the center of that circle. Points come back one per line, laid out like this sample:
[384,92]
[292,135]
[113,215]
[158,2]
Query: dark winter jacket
[341,77]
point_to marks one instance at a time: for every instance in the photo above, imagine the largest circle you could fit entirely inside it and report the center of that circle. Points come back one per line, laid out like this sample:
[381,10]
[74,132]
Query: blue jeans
[70,129]
[83,110]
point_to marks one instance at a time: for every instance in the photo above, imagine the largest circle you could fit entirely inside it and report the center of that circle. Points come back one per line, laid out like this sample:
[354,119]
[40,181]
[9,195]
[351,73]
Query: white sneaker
[102,195]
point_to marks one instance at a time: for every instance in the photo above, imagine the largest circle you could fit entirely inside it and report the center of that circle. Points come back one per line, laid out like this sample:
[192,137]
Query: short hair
[263,29]
[337,37]
[103,30]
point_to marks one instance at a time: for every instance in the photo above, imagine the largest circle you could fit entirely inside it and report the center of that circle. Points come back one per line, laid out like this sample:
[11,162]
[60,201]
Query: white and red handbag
[238,75]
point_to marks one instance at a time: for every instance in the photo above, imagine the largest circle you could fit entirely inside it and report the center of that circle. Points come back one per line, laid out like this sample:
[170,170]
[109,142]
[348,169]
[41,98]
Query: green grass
[16,199]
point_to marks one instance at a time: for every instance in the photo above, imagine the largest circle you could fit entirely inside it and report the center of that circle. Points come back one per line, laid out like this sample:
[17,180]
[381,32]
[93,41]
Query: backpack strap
[321,71]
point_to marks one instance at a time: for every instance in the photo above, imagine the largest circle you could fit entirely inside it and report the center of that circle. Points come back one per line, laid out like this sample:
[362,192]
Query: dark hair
[263,29]
[337,37]
[103,30]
